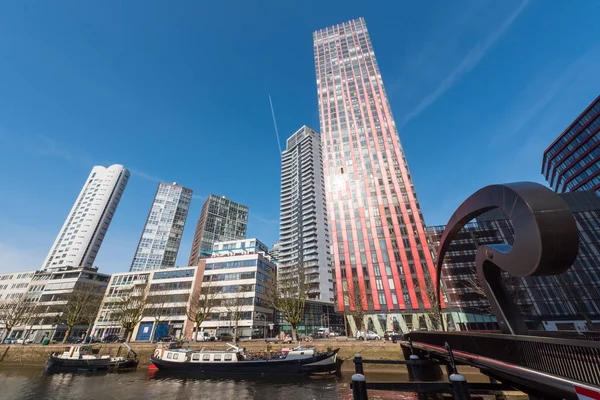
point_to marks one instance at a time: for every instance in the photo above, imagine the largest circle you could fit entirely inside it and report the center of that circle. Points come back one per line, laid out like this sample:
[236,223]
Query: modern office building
[167,295]
[317,314]
[304,234]
[379,243]
[240,275]
[81,236]
[220,220]
[572,162]
[567,301]
[163,230]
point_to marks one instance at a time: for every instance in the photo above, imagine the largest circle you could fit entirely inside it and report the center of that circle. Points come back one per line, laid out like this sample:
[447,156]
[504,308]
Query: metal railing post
[358,364]
[359,387]
[460,387]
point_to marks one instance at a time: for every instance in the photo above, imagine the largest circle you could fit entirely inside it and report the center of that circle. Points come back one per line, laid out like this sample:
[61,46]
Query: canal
[31,383]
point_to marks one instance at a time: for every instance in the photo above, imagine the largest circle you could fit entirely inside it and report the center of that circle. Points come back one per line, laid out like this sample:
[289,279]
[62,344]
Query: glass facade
[572,162]
[378,238]
[159,243]
[220,220]
[316,315]
[571,296]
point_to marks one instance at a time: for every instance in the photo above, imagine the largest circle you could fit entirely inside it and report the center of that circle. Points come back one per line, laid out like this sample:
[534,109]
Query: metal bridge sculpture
[546,242]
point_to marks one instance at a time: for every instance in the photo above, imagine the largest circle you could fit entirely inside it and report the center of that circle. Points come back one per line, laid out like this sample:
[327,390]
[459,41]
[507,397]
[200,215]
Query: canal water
[32,384]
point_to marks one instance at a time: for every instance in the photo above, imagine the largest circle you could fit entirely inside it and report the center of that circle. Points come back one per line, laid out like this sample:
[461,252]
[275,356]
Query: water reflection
[34,384]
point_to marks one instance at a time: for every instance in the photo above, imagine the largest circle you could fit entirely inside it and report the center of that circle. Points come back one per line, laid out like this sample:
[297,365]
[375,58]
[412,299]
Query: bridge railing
[577,360]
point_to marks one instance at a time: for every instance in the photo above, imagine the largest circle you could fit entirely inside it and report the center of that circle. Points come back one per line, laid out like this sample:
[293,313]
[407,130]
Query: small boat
[235,360]
[84,358]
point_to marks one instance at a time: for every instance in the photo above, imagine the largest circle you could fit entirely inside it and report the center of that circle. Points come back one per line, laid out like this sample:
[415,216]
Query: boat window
[217,357]
[196,357]
[176,356]
[169,355]
[228,357]
[206,357]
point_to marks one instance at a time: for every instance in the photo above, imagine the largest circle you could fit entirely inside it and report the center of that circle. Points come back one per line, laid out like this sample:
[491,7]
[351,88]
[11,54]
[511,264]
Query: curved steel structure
[546,242]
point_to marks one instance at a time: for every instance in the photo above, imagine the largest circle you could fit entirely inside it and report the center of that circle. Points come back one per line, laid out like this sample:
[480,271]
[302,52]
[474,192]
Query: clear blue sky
[178,91]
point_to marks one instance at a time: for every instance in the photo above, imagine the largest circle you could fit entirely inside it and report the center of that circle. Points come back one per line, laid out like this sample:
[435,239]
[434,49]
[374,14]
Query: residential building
[81,236]
[274,252]
[378,238]
[239,275]
[304,234]
[167,295]
[220,220]
[572,161]
[567,301]
[163,230]
[50,291]
[13,285]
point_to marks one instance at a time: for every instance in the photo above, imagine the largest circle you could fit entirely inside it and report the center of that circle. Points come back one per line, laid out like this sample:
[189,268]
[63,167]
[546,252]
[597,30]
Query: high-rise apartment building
[377,229]
[572,162]
[163,230]
[304,234]
[81,235]
[220,220]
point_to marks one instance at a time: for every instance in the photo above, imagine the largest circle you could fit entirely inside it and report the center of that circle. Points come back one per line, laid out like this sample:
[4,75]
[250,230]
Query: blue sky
[179,91]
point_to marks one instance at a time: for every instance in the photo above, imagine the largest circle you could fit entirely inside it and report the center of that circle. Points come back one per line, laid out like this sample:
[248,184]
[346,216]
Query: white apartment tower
[80,237]
[304,234]
[162,233]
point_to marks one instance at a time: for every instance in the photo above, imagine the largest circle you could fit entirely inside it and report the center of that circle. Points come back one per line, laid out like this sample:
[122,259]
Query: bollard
[459,387]
[359,387]
[358,364]
[415,369]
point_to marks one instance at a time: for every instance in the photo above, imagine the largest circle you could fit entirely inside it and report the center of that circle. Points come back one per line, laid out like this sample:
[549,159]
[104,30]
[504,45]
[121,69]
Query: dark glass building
[567,301]
[317,315]
[572,162]
[221,220]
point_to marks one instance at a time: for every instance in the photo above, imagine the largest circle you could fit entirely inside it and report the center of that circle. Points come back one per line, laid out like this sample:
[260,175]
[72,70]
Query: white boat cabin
[225,356]
[80,352]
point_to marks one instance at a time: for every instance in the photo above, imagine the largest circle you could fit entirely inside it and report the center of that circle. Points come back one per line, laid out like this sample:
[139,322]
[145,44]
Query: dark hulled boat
[84,358]
[237,361]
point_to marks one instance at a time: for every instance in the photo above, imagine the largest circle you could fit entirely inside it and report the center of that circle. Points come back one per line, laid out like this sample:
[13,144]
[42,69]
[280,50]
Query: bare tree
[34,315]
[289,296]
[129,308]
[13,312]
[435,312]
[200,307]
[235,307]
[157,307]
[358,306]
[82,305]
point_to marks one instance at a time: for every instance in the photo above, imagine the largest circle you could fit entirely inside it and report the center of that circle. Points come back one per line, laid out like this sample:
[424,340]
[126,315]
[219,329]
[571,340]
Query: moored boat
[236,360]
[85,358]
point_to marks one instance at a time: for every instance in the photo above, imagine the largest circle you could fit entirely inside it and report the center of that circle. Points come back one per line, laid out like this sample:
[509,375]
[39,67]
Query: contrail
[275,124]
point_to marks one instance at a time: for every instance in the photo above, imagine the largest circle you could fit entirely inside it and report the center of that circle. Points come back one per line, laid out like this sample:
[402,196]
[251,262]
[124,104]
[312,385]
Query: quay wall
[17,354]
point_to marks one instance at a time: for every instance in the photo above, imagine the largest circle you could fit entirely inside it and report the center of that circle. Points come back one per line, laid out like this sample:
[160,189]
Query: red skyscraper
[377,229]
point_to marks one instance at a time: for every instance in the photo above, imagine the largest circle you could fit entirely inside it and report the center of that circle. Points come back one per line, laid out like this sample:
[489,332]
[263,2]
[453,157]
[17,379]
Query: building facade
[304,233]
[572,161]
[13,285]
[317,314]
[81,236]
[274,252]
[161,237]
[378,238]
[240,276]
[50,292]
[167,295]
[220,220]
[567,301]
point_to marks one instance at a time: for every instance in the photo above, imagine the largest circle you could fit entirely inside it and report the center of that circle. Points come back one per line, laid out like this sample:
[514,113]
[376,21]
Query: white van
[204,336]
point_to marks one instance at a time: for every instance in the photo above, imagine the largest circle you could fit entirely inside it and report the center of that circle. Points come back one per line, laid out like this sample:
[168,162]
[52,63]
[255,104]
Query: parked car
[24,341]
[10,341]
[369,335]
[206,337]
[74,340]
[391,335]
[113,339]
[165,339]
[225,337]
[288,339]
